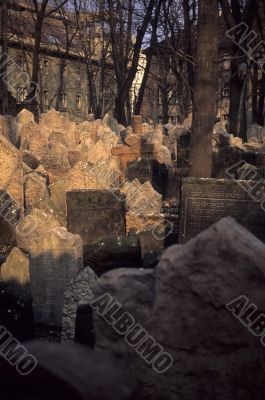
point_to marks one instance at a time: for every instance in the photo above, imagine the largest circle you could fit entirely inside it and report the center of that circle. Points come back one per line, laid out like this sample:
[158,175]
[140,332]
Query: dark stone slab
[113,252]
[174,182]
[151,249]
[206,201]
[10,213]
[148,170]
[95,214]
[224,159]
[183,149]
[84,328]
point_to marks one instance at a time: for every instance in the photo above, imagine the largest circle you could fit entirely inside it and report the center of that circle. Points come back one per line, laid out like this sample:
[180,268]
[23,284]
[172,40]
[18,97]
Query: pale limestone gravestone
[56,258]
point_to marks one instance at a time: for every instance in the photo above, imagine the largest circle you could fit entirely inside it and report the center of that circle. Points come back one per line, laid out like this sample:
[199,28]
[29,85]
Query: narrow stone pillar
[137,124]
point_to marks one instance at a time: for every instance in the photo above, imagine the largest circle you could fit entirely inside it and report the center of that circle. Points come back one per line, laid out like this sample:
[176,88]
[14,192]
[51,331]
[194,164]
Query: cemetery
[105,236]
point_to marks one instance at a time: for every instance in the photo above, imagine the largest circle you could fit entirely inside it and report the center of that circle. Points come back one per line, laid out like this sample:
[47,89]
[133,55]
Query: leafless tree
[204,109]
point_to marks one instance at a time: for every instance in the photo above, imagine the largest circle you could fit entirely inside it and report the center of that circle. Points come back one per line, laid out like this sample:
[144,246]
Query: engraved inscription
[205,203]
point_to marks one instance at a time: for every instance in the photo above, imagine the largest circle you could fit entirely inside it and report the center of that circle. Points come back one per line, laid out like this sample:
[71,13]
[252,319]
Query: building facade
[66,71]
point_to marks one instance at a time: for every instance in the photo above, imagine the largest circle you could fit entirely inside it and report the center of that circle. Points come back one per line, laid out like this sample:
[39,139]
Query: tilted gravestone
[79,293]
[10,212]
[95,214]
[206,201]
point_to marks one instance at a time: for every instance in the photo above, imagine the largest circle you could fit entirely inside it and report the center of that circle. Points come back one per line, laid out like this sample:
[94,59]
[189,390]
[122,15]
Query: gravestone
[137,124]
[95,214]
[174,182]
[183,149]
[206,201]
[10,213]
[77,295]
[150,170]
[55,259]
[151,248]
[11,172]
[15,295]
[113,252]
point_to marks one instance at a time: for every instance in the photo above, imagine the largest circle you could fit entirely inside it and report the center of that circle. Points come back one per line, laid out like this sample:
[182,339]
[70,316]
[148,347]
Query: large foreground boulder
[215,340]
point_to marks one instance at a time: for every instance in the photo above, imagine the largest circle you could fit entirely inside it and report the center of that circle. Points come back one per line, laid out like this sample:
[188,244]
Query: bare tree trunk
[125,80]
[165,101]
[205,90]
[233,15]
[4,57]
[260,6]
[243,112]
[153,42]
[260,113]
[187,43]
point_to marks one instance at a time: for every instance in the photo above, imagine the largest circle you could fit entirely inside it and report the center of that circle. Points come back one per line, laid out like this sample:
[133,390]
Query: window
[173,120]
[65,71]
[45,98]
[64,100]
[78,102]
[226,117]
[172,97]
[21,63]
[226,92]
[77,72]
[21,94]
[45,67]
[159,96]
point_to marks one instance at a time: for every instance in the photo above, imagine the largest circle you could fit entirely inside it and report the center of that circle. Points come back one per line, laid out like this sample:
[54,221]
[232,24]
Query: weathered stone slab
[30,159]
[206,201]
[34,137]
[142,199]
[125,154]
[35,191]
[16,268]
[99,152]
[112,124]
[148,170]
[151,248]
[11,173]
[55,259]
[24,117]
[10,213]
[183,149]
[10,129]
[15,295]
[84,176]
[113,252]
[137,124]
[95,214]
[78,293]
